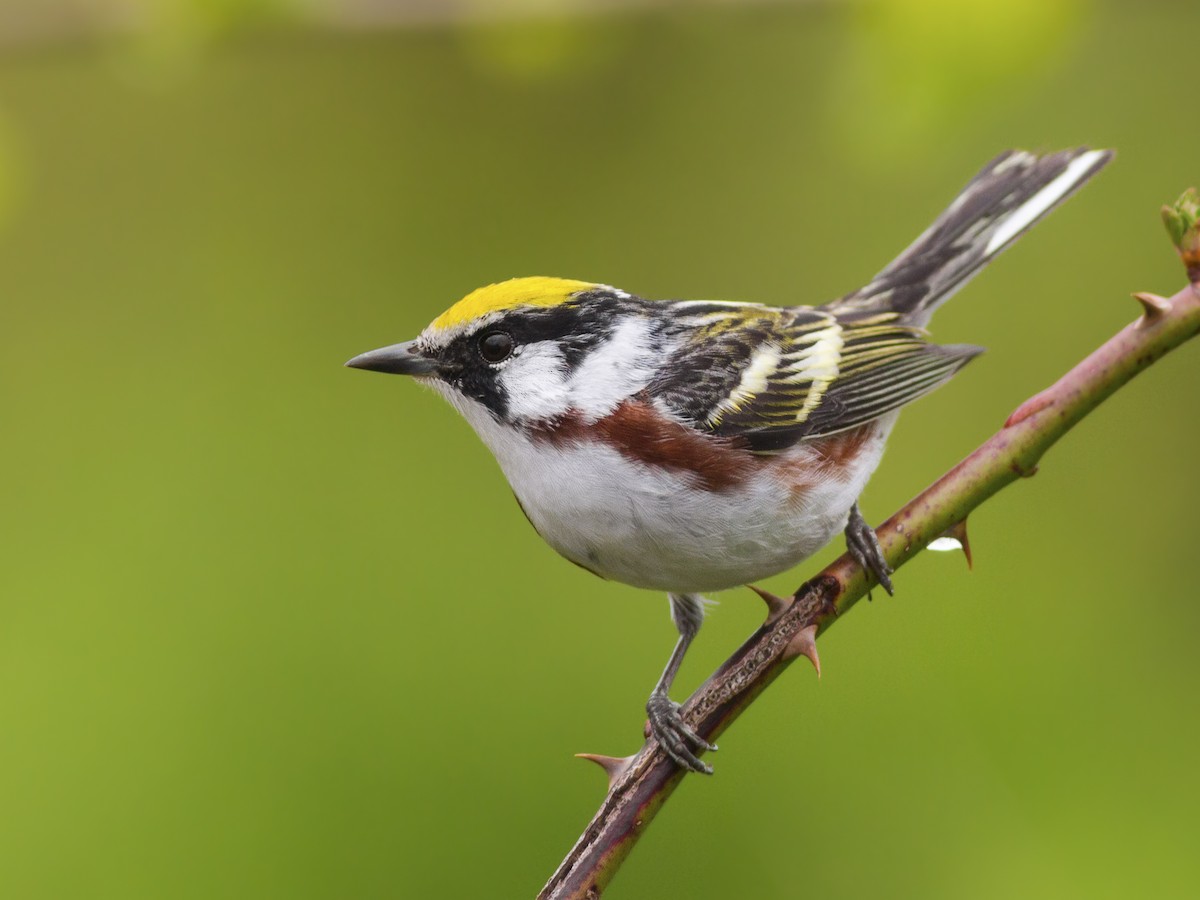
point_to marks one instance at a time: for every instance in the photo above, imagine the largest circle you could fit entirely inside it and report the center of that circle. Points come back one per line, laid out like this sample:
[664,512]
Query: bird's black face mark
[472,363]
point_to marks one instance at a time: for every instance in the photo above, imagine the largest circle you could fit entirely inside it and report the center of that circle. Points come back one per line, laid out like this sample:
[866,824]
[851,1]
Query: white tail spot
[1021,217]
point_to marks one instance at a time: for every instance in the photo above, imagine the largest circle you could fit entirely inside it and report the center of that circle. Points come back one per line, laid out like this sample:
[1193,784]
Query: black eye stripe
[576,328]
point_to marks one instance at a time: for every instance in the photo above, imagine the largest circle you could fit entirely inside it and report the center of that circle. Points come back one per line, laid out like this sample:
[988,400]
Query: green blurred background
[271,628]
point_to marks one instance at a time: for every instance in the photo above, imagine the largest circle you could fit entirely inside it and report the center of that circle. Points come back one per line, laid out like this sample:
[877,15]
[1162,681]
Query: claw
[863,546]
[675,736]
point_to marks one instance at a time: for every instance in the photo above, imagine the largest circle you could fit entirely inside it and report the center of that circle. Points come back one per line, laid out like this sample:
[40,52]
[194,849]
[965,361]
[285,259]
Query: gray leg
[864,547]
[678,741]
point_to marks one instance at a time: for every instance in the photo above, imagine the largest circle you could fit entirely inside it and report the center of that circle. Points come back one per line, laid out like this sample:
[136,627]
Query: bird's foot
[675,736]
[864,548]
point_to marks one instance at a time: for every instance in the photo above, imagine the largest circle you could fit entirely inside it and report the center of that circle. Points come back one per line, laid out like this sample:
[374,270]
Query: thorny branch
[640,784]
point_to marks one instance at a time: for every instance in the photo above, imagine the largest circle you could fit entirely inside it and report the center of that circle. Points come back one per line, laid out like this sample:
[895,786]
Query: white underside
[652,528]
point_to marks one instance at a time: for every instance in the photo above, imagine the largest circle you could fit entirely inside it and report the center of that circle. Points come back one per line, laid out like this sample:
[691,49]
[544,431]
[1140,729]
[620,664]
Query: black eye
[495,346]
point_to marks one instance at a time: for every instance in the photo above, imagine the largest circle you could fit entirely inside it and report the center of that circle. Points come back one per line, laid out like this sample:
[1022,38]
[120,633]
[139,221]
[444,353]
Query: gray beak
[398,359]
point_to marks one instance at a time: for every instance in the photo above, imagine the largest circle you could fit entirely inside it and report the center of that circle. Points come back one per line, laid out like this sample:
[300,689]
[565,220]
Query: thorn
[1034,404]
[775,605]
[804,643]
[958,531]
[613,766]
[1154,307]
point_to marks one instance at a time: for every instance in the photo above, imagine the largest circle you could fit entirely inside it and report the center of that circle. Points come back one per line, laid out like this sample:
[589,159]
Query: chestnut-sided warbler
[692,446]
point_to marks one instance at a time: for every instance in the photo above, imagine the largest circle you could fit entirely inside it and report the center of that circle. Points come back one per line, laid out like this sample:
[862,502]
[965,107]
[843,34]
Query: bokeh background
[272,628]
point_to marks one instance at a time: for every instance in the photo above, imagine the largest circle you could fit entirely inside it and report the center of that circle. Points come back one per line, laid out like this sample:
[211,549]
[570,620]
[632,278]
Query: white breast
[653,528]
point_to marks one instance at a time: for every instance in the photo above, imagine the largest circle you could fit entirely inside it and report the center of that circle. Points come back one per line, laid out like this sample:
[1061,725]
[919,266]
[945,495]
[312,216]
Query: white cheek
[617,369]
[534,382]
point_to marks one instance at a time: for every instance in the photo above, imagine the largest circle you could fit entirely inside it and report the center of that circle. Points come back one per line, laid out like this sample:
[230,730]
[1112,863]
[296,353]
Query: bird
[691,446]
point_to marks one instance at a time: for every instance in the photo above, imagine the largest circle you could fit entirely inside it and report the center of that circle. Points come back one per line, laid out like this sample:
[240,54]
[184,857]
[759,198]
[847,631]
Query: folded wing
[773,377]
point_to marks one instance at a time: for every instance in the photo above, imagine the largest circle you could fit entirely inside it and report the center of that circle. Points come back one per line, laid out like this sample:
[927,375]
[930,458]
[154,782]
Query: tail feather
[1009,195]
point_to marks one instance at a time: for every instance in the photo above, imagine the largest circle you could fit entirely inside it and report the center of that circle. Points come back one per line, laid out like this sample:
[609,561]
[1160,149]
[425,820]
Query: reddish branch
[640,784]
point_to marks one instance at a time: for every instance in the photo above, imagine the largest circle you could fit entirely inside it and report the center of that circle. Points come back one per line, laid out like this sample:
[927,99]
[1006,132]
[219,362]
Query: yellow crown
[535,291]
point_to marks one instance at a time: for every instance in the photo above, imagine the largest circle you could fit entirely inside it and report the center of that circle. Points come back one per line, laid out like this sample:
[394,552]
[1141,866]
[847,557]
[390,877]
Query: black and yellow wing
[772,377]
